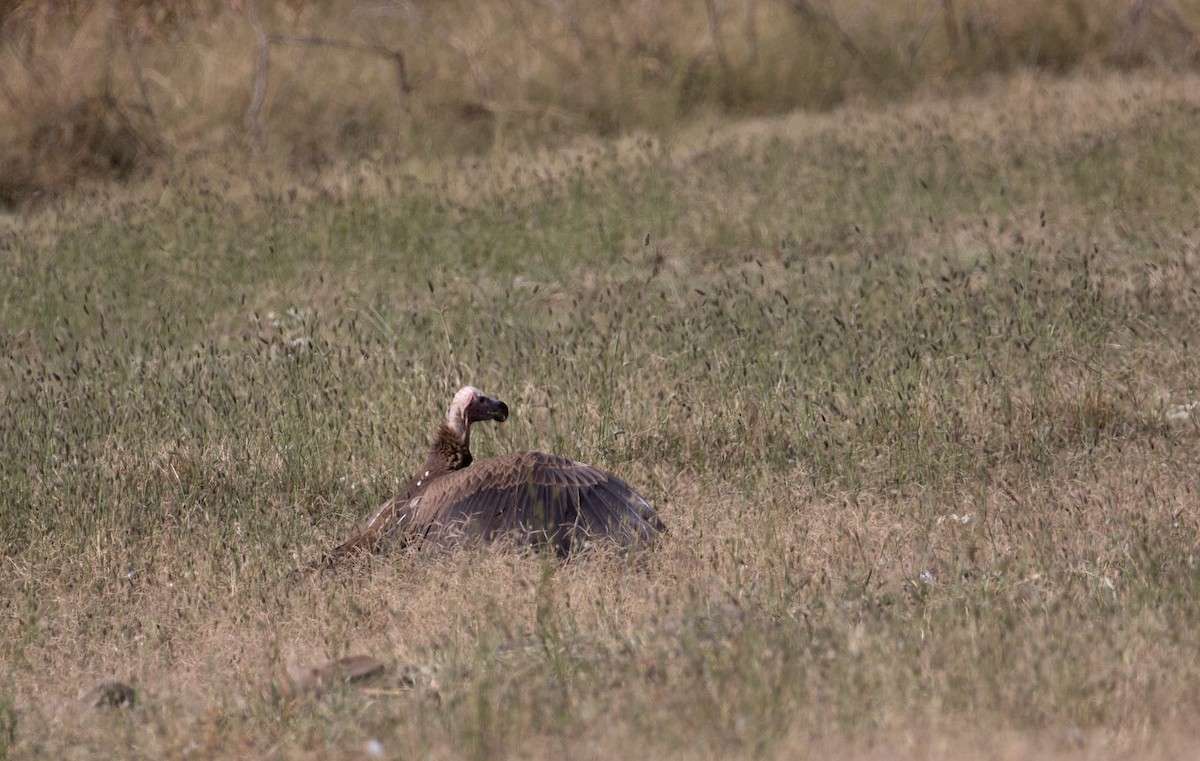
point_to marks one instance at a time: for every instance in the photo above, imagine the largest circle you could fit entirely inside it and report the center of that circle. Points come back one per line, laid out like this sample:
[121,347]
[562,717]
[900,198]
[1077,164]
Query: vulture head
[471,405]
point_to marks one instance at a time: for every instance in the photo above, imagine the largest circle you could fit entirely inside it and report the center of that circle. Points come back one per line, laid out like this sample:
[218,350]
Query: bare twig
[752,29]
[253,120]
[110,39]
[918,38]
[111,105]
[477,73]
[810,15]
[147,108]
[950,20]
[575,25]
[714,32]
[357,47]
[549,45]
[6,90]
[1138,13]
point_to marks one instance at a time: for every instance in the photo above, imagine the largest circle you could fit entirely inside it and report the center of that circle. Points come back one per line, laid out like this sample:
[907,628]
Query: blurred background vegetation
[96,90]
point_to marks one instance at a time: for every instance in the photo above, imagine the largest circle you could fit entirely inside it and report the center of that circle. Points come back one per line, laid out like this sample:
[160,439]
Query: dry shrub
[92,137]
[1057,36]
[74,109]
[1153,32]
[96,89]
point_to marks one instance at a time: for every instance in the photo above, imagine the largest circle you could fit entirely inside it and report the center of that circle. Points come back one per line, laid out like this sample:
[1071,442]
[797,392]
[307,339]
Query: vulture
[535,497]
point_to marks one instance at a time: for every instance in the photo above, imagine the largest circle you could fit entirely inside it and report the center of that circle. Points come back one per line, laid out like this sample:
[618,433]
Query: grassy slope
[902,382]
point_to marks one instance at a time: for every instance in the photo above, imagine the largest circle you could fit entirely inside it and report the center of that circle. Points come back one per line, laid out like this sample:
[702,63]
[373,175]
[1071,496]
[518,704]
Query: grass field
[914,387]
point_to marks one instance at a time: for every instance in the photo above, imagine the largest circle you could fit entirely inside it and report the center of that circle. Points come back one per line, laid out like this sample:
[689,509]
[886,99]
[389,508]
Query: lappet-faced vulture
[535,497]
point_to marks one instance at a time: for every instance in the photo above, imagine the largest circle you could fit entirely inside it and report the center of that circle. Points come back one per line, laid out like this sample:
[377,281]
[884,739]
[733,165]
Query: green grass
[898,381]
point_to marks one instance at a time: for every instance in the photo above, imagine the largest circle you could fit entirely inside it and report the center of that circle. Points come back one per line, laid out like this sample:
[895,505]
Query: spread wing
[389,521]
[537,496]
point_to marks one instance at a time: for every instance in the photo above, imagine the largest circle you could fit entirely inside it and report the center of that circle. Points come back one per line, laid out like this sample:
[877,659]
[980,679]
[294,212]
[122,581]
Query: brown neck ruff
[451,448]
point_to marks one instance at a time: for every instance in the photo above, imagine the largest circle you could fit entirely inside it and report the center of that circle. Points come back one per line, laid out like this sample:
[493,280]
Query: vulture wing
[547,499]
[392,517]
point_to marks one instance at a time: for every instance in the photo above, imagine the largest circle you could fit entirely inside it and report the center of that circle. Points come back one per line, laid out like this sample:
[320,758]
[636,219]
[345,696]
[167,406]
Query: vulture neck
[452,445]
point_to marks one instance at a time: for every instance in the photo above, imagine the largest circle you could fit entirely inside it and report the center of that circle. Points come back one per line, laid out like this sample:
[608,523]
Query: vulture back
[538,497]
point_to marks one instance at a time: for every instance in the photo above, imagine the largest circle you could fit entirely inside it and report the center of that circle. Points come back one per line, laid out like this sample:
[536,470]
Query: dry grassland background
[93,90]
[902,348]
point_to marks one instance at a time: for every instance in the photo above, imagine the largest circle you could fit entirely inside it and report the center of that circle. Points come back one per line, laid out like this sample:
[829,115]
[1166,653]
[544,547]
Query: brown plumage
[533,496]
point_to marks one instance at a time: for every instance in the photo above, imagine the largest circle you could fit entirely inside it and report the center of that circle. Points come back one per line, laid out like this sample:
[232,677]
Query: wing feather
[545,498]
[610,511]
[533,496]
[389,520]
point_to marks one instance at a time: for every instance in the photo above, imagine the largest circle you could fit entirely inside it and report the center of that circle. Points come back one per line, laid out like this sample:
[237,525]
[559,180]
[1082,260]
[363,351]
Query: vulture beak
[486,408]
[501,411]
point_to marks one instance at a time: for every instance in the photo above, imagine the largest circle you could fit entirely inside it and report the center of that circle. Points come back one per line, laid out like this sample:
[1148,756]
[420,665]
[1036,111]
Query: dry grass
[90,90]
[910,386]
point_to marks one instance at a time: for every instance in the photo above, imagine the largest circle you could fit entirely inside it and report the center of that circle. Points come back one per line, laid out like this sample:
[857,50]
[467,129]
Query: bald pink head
[471,405]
